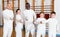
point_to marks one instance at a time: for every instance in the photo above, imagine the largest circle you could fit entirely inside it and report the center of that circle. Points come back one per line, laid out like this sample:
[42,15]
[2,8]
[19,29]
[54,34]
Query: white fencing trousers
[41,31]
[18,30]
[30,29]
[52,33]
[7,29]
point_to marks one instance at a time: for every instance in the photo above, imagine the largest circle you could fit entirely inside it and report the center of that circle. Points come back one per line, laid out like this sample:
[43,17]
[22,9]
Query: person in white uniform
[52,25]
[41,28]
[8,21]
[19,24]
[29,18]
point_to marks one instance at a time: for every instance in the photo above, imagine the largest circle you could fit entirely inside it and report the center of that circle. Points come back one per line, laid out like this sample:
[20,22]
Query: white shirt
[8,14]
[19,19]
[29,15]
[43,20]
[8,17]
[52,23]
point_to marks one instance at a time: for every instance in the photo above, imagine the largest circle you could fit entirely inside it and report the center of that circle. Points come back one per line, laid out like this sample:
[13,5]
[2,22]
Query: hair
[17,10]
[41,12]
[27,4]
[9,3]
[53,12]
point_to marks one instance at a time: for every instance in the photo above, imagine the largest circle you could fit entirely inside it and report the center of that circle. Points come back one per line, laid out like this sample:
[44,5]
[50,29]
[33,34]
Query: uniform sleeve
[5,15]
[47,21]
[44,21]
[57,26]
[34,15]
[12,15]
[21,20]
[23,17]
[36,21]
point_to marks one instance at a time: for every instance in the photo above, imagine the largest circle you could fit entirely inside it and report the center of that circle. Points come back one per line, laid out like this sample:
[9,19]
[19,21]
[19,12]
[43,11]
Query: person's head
[27,6]
[42,14]
[53,14]
[18,11]
[9,6]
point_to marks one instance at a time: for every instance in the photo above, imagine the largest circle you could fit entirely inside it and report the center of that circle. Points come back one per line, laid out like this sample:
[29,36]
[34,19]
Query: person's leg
[43,33]
[33,32]
[5,31]
[19,33]
[27,33]
[38,33]
[54,33]
[50,33]
[10,31]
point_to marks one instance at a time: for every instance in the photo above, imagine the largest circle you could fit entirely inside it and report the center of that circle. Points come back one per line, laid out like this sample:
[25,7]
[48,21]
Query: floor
[13,33]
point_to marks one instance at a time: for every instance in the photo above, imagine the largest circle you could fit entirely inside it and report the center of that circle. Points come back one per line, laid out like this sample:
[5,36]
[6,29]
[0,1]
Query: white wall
[57,10]
[22,5]
[0,12]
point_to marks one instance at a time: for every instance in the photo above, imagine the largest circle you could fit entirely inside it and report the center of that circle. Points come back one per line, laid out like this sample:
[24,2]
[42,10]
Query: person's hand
[21,21]
[40,22]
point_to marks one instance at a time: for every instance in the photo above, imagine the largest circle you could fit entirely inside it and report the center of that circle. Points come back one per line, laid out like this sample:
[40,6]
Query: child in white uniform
[41,28]
[52,22]
[19,24]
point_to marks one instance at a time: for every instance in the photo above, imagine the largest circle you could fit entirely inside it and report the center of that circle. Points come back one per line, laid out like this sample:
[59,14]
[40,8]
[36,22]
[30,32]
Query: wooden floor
[13,33]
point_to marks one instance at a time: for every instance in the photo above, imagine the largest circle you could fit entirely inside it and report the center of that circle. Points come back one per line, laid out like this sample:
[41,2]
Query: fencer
[19,24]
[41,28]
[29,17]
[8,21]
[52,25]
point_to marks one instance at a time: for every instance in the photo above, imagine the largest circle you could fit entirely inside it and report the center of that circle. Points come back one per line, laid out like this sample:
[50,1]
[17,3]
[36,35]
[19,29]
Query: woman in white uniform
[41,28]
[8,21]
[29,18]
[19,23]
[52,22]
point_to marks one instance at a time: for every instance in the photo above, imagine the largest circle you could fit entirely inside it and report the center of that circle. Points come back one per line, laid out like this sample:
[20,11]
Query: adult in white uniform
[8,21]
[52,22]
[29,18]
[41,28]
[19,24]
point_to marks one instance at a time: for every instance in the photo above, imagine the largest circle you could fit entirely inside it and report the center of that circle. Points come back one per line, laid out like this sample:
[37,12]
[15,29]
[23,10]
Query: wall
[0,12]
[22,5]
[57,10]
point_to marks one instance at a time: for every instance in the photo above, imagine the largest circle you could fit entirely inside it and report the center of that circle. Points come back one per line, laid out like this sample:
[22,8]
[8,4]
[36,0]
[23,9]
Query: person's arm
[44,21]
[34,16]
[36,21]
[5,15]
[23,17]
[12,16]
[57,26]
[21,20]
[47,23]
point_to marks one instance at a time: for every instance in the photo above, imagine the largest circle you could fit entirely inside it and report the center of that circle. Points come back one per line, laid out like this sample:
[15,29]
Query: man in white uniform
[52,22]
[8,21]
[41,28]
[29,18]
[19,23]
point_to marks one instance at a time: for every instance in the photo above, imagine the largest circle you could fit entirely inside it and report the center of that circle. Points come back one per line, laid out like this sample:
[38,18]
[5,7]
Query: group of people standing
[28,18]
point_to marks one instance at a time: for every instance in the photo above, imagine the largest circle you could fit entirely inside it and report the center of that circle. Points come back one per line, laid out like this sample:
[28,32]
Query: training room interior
[46,6]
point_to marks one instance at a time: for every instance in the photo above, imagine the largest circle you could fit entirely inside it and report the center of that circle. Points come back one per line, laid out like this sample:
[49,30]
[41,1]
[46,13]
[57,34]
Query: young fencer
[52,24]
[29,16]
[8,21]
[41,28]
[19,23]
